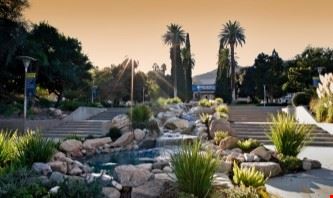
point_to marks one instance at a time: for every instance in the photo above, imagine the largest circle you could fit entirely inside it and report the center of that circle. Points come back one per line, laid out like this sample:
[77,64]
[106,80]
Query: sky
[109,30]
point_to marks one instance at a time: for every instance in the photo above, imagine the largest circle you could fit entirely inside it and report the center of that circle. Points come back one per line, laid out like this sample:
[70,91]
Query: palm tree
[232,34]
[163,68]
[175,37]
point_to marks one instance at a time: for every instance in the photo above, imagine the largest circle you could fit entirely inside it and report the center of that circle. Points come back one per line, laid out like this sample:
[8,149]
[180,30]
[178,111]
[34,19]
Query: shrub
[114,133]
[166,101]
[323,109]
[205,103]
[222,111]
[248,144]
[140,115]
[70,105]
[239,192]
[287,135]
[218,101]
[301,98]
[206,119]
[247,176]
[219,136]
[8,150]
[32,147]
[194,170]
[72,188]
[73,136]
[21,183]
[290,163]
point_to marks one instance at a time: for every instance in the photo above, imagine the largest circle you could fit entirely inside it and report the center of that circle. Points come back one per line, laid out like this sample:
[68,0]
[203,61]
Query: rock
[220,125]
[59,156]
[156,171]
[110,192]
[228,143]
[72,147]
[97,142]
[121,122]
[167,169]
[75,171]
[221,180]
[54,190]
[41,168]
[198,110]
[160,164]
[237,150]
[59,166]
[57,177]
[116,185]
[176,123]
[146,166]
[225,166]
[163,176]
[151,189]
[309,164]
[132,176]
[262,152]
[123,140]
[270,169]
[139,134]
[249,157]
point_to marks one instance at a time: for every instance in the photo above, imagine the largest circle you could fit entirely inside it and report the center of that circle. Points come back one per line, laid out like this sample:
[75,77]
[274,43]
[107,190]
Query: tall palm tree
[232,34]
[175,37]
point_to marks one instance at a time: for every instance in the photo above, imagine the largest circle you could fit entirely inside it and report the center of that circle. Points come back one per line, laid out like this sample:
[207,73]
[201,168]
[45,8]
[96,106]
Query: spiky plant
[248,176]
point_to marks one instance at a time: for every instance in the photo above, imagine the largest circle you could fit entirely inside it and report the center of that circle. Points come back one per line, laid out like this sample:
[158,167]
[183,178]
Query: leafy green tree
[163,82]
[223,87]
[247,83]
[175,37]
[188,64]
[232,34]
[12,9]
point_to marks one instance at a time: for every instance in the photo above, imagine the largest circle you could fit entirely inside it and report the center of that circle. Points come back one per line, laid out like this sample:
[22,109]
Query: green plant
[167,101]
[301,98]
[140,115]
[219,136]
[290,163]
[247,176]
[248,144]
[32,147]
[243,192]
[73,136]
[21,183]
[206,119]
[218,101]
[222,111]
[194,169]
[8,150]
[70,105]
[287,135]
[205,103]
[74,188]
[114,133]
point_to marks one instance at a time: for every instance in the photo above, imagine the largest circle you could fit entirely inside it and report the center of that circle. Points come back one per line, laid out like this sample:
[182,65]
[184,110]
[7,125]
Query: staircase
[94,126]
[251,122]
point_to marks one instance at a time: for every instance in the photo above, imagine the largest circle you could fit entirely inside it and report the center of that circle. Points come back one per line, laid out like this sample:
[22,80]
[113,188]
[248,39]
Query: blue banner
[30,84]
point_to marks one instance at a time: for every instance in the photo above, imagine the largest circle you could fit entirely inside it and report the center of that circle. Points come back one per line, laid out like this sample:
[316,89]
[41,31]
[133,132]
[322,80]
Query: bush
[167,101]
[247,176]
[323,109]
[301,98]
[248,144]
[222,111]
[32,147]
[290,163]
[8,151]
[205,103]
[72,188]
[206,119]
[21,183]
[244,192]
[73,136]
[287,135]
[114,133]
[194,170]
[218,101]
[140,115]
[219,136]
[70,105]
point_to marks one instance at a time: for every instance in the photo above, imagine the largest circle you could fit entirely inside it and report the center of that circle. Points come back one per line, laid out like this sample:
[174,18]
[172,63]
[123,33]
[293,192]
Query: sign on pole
[31,84]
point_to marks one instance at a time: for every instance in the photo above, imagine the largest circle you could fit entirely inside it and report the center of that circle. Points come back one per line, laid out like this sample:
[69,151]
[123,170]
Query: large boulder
[110,192]
[59,166]
[121,122]
[72,147]
[308,164]
[228,143]
[132,176]
[123,140]
[262,152]
[176,123]
[97,142]
[139,134]
[151,189]
[41,168]
[270,169]
[220,125]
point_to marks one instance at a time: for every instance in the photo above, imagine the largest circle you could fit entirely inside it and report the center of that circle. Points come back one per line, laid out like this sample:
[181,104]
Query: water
[109,161]
[169,139]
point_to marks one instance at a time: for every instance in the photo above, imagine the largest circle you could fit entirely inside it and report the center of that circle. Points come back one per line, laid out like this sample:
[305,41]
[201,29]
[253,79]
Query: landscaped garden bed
[181,150]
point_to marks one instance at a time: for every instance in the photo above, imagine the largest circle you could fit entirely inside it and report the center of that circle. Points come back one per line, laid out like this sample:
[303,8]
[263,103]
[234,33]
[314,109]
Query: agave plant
[222,111]
[206,119]
[248,176]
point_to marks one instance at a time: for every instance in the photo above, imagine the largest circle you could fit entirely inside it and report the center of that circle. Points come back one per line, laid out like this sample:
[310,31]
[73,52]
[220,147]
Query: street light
[26,62]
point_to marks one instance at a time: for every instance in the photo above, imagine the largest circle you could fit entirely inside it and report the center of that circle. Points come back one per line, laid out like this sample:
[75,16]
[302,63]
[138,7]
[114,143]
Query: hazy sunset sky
[112,29]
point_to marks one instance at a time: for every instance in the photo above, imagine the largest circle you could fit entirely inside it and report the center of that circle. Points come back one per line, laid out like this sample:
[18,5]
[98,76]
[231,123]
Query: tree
[163,68]
[247,83]
[12,9]
[175,37]
[162,82]
[232,34]
[223,88]
[188,64]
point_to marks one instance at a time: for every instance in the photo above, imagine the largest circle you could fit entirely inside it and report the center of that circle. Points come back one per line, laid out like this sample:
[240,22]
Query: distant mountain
[205,78]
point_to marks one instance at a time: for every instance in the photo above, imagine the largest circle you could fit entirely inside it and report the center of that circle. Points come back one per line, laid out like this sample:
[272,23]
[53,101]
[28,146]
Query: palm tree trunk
[232,51]
[175,89]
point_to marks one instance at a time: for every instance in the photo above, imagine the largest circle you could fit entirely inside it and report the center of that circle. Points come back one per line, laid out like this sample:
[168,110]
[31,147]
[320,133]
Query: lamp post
[264,95]
[26,62]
